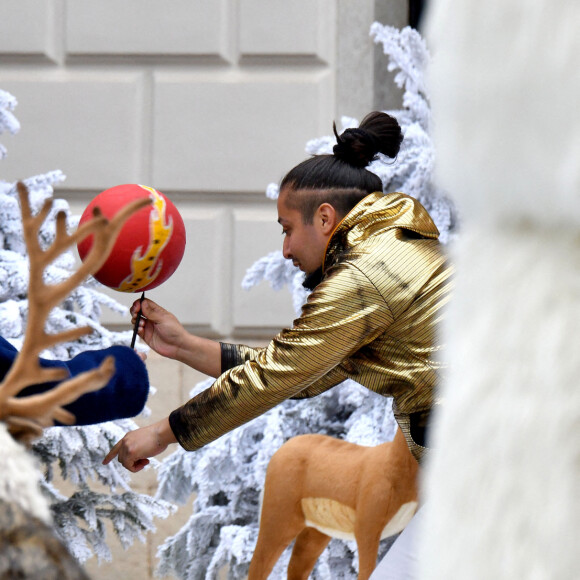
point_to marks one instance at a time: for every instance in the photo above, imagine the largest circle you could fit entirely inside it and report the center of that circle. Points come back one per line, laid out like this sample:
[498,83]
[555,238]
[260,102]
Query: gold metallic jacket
[372,319]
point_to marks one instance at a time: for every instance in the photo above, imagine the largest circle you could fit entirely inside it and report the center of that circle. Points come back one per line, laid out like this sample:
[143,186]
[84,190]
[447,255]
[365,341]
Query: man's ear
[327,218]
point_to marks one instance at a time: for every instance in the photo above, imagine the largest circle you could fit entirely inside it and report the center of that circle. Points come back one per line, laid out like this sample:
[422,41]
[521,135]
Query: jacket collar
[378,213]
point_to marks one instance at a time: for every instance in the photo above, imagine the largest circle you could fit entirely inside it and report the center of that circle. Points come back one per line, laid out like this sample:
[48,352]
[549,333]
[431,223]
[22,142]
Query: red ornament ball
[150,244]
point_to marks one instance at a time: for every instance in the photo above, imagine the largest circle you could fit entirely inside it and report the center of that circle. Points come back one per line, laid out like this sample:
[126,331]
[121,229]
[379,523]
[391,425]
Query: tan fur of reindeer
[26,416]
[318,487]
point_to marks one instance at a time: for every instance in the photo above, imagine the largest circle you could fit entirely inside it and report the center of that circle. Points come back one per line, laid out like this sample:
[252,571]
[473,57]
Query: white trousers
[400,561]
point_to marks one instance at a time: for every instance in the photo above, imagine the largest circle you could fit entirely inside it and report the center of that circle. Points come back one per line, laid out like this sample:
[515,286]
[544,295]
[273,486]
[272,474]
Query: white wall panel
[145,27]
[27,27]
[235,132]
[86,124]
[278,27]
[255,234]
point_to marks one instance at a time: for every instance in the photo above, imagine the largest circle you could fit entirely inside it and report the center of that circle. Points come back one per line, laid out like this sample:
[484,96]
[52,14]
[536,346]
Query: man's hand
[159,328]
[166,335]
[137,446]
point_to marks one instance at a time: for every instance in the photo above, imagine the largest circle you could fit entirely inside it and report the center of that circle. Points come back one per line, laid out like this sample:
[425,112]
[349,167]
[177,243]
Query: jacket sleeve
[344,313]
[233,355]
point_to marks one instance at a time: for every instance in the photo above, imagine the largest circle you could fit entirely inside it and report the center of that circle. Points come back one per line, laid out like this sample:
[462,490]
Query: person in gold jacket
[379,279]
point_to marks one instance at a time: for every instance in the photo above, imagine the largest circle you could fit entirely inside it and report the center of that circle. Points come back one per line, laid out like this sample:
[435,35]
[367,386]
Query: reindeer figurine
[318,487]
[28,547]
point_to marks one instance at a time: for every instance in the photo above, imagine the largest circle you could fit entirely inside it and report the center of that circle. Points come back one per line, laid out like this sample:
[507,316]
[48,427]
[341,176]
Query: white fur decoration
[19,478]
[505,84]
[503,482]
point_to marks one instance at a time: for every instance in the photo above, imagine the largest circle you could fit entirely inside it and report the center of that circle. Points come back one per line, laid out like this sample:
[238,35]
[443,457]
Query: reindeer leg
[309,544]
[367,532]
[281,521]
[269,547]
[281,518]
[368,550]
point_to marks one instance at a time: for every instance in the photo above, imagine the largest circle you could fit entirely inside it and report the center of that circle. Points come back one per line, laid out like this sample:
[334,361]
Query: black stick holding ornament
[136,327]
[149,247]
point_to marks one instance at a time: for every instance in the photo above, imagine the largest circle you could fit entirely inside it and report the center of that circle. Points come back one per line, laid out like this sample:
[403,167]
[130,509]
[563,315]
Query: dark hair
[345,168]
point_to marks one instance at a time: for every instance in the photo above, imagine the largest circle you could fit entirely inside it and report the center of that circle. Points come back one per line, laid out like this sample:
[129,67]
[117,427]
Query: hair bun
[377,133]
[355,146]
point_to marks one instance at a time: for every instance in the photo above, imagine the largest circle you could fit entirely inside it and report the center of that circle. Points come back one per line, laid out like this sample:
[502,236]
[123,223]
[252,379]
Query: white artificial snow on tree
[228,474]
[79,520]
[8,122]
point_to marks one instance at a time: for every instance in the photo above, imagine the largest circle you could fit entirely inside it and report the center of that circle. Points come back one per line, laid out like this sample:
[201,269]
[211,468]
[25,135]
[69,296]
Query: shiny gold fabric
[372,319]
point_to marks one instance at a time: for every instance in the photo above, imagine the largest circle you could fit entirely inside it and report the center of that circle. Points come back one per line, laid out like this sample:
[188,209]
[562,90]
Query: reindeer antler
[26,416]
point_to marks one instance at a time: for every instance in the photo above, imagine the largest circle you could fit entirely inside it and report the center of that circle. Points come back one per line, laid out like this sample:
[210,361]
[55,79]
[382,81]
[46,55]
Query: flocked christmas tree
[79,519]
[228,474]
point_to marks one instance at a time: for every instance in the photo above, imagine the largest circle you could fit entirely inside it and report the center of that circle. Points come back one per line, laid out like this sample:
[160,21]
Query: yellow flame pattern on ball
[145,267]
